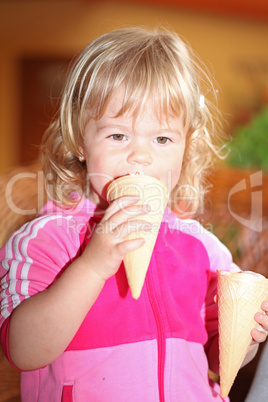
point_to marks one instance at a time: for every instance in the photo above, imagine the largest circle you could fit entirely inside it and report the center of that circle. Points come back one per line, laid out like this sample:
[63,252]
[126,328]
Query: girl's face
[117,146]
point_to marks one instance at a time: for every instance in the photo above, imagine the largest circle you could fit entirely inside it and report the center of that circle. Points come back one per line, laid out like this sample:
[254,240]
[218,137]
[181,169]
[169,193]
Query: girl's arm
[42,326]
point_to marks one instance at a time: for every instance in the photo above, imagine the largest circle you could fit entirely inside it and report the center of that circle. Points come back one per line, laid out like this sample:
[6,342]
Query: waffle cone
[239,298]
[151,192]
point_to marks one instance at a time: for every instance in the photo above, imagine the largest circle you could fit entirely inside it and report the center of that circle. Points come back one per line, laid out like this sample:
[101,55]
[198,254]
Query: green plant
[249,147]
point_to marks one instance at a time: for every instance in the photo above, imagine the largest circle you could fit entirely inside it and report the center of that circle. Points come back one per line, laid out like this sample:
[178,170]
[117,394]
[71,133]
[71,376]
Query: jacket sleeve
[31,261]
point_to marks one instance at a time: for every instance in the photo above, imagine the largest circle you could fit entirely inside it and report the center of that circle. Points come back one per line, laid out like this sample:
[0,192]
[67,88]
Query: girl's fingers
[129,212]
[264,306]
[137,226]
[129,245]
[120,204]
[120,231]
[262,319]
[258,335]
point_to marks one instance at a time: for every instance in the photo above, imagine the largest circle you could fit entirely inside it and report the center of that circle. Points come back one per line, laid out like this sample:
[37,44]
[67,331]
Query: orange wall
[245,8]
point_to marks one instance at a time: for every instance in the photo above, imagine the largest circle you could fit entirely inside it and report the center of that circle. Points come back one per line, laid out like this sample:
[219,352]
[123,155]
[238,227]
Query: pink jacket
[151,349]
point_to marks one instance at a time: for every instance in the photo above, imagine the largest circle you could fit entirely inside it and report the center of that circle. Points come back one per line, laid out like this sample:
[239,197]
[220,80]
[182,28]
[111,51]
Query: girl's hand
[108,245]
[260,334]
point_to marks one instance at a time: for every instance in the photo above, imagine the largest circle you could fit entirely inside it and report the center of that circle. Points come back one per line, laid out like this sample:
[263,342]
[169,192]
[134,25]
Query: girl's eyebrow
[113,126]
[170,130]
[126,128]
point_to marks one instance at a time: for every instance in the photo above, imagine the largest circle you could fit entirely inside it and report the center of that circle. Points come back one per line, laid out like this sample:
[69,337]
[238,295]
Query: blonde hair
[148,63]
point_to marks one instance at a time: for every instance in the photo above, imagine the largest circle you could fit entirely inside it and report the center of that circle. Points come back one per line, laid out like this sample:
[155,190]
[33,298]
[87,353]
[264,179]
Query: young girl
[132,104]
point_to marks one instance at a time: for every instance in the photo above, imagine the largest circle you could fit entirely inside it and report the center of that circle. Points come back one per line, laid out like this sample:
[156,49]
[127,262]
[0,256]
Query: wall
[236,48]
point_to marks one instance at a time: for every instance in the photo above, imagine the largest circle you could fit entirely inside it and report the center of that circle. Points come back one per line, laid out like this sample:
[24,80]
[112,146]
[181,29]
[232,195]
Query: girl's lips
[128,174]
[142,173]
[134,174]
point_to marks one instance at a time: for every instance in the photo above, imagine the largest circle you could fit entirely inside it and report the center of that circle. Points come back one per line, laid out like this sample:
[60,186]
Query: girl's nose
[140,156]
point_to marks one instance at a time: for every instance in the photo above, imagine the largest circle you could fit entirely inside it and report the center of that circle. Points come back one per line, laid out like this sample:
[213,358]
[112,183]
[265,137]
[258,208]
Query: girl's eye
[118,137]
[162,140]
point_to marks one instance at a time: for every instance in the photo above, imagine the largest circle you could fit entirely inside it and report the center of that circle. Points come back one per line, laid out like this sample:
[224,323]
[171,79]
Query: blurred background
[39,38]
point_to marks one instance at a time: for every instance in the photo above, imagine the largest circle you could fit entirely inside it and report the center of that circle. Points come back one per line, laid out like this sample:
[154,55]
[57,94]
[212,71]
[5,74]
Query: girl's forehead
[119,106]
[116,102]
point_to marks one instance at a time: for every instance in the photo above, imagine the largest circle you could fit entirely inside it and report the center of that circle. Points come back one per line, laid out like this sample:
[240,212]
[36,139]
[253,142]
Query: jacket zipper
[161,344]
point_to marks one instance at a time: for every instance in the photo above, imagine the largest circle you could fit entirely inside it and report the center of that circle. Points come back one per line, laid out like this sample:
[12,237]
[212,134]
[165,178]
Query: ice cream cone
[154,193]
[240,295]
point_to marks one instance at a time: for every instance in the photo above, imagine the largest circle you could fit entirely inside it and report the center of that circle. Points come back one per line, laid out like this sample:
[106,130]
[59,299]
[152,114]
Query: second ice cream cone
[240,295]
[151,192]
